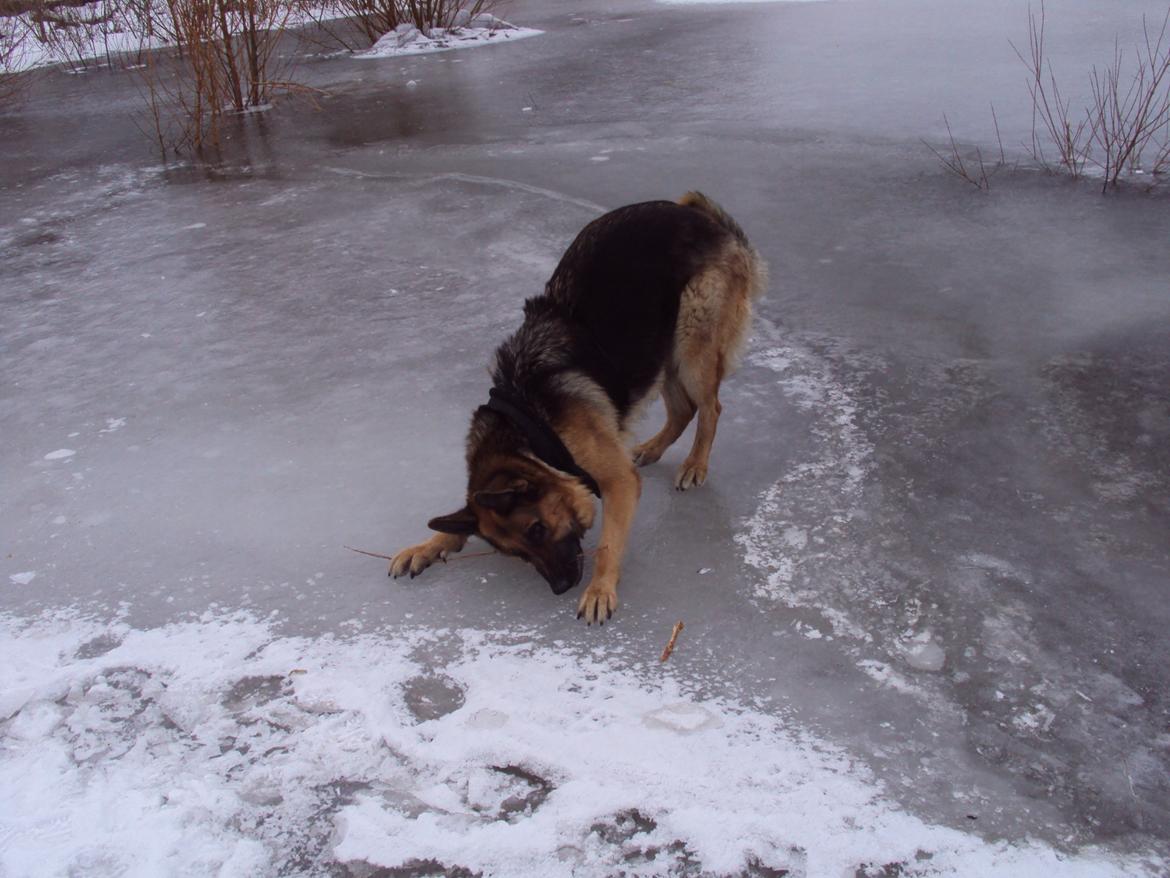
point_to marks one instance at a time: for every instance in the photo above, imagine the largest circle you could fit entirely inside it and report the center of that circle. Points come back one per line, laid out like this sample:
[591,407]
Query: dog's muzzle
[566,567]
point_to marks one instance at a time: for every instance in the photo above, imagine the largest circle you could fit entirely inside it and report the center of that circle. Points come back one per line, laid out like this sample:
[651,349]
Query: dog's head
[532,512]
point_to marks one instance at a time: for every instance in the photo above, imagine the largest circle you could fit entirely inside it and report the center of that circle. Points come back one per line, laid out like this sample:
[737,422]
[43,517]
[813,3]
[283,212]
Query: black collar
[543,441]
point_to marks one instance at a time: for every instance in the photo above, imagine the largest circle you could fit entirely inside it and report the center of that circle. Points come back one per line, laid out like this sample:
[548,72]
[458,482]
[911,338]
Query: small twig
[470,555]
[371,554]
[444,559]
[999,140]
[678,626]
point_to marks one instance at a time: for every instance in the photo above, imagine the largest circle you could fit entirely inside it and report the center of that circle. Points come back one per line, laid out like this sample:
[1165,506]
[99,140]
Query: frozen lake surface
[925,587]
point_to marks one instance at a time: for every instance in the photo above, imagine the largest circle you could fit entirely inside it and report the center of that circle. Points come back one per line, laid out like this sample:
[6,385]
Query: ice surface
[932,548]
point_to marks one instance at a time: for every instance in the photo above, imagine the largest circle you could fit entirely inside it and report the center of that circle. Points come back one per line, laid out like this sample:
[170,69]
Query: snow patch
[205,746]
[113,425]
[407,39]
[60,454]
[23,578]
[827,486]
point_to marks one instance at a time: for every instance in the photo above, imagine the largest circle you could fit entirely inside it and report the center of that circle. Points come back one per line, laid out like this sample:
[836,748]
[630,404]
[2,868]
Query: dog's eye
[536,533]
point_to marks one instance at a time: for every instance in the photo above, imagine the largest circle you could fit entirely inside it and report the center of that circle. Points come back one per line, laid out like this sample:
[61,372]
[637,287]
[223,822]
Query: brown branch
[678,626]
[371,554]
[12,8]
[391,557]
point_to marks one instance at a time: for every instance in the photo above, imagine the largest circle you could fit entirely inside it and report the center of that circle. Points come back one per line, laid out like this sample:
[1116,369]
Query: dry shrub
[12,38]
[1128,118]
[1125,127]
[971,169]
[373,18]
[426,14]
[223,61]
[1050,109]
[225,64]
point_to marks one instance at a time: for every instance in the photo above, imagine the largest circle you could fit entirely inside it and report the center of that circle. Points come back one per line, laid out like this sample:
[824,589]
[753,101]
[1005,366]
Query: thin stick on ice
[445,559]
[678,626]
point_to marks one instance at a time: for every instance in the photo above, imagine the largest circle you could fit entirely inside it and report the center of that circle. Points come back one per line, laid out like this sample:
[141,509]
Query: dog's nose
[560,585]
[560,581]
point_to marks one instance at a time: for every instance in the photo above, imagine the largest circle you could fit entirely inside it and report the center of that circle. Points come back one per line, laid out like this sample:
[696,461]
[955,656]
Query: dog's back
[621,284]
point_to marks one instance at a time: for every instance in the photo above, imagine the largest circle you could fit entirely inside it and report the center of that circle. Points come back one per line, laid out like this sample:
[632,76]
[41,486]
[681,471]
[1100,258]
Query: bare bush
[1124,128]
[373,18]
[975,173]
[225,64]
[223,60]
[426,14]
[12,38]
[1050,109]
[1128,113]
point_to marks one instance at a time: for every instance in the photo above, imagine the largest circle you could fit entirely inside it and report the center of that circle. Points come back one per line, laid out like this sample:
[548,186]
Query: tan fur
[714,317]
[416,559]
[565,504]
[599,448]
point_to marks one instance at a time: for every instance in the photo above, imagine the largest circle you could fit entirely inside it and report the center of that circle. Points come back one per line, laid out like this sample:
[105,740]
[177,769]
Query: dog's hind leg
[714,316]
[679,412]
[700,377]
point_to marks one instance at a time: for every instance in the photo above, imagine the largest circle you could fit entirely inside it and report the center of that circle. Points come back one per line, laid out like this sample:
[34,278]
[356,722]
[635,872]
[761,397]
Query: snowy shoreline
[484,29]
[230,748]
[407,39]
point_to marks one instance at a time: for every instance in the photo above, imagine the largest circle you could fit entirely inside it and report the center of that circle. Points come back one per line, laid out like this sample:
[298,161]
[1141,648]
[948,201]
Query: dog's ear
[503,500]
[462,523]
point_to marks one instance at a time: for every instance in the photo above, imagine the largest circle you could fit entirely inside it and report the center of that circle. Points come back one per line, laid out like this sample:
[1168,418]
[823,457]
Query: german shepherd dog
[653,297]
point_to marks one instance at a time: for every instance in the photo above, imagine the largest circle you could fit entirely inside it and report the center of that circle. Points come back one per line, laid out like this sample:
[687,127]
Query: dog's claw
[597,604]
[690,475]
[414,560]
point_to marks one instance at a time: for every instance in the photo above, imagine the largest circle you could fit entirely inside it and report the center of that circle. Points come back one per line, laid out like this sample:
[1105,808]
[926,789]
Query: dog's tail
[757,269]
[699,201]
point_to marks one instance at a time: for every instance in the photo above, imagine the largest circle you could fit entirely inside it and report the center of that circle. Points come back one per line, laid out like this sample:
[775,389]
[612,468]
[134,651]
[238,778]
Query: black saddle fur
[608,312]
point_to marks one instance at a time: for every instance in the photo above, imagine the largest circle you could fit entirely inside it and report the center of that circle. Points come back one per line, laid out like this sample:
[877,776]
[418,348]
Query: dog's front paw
[598,603]
[690,475]
[416,559]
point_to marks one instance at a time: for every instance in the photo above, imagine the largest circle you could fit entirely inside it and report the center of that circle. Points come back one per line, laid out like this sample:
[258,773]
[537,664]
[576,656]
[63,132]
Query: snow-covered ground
[480,31]
[219,746]
[87,43]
